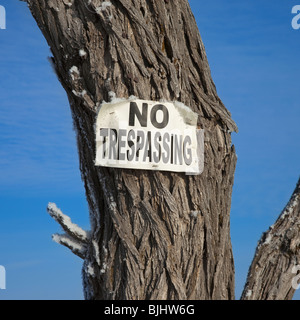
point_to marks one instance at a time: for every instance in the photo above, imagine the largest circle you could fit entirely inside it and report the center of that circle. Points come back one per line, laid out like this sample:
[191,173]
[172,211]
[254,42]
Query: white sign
[138,134]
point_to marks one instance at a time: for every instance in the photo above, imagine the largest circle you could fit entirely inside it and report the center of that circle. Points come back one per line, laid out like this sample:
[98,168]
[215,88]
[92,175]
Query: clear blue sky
[254,57]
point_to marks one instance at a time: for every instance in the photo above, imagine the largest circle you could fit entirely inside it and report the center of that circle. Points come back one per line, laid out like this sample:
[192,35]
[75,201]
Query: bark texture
[272,275]
[154,235]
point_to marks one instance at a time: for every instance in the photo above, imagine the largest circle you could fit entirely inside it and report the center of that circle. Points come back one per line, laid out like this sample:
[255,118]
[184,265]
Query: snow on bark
[104,5]
[270,275]
[76,247]
[69,227]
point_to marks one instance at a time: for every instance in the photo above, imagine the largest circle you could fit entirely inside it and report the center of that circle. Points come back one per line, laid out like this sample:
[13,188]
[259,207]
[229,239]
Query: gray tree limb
[272,272]
[78,248]
[75,238]
[142,229]
[72,229]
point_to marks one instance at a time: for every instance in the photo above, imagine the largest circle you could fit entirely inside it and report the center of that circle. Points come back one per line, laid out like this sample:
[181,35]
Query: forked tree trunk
[154,235]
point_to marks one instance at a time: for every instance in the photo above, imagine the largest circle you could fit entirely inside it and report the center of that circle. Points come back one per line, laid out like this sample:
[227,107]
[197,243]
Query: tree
[155,235]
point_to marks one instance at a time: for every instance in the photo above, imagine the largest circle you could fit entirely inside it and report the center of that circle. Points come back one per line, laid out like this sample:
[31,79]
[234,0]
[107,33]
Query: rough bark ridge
[272,274]
[154,235]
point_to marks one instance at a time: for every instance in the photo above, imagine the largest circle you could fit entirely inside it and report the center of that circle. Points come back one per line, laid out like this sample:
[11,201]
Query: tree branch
[76,247]
[76,239]
[72,229]
[272,270]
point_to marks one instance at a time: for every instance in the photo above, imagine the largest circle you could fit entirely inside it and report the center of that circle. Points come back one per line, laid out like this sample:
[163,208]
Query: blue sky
[254,58]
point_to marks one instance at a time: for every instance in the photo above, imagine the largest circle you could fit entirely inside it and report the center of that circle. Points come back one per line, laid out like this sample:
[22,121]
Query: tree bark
[154,235]
[272,274]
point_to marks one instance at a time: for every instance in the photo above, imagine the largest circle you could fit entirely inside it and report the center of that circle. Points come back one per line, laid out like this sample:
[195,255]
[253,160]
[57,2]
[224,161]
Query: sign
[139,134]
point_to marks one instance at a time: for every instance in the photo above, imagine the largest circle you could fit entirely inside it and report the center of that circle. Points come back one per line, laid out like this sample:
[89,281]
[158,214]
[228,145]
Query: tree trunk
[272,274]
[154,235]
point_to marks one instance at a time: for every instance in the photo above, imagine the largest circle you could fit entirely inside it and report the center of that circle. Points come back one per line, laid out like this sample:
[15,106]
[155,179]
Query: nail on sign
[138,134]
